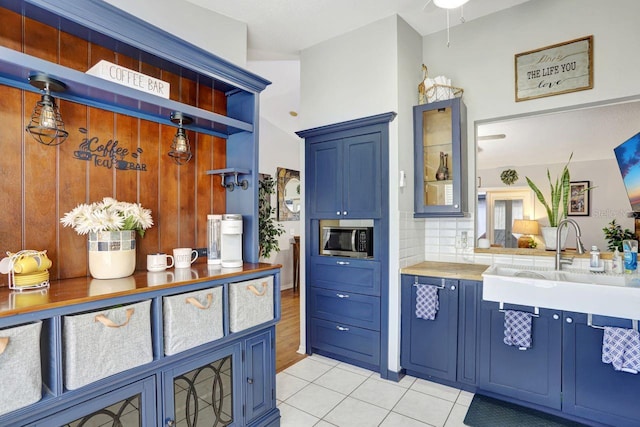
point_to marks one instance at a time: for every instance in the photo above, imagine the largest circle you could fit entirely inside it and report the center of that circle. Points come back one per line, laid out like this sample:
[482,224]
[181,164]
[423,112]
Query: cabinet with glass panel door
[440,156]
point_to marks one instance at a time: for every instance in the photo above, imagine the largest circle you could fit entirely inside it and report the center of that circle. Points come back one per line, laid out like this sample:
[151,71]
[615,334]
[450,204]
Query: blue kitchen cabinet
[592,389]
[440,159]
[346,177]
[532,375]
[429,347]
[131,405]
[444,348]
[260,396]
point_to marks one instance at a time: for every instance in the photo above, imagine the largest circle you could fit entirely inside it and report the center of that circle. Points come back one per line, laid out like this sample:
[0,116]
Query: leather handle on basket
[4,342]
[256,292]
[194,302]
[109,323]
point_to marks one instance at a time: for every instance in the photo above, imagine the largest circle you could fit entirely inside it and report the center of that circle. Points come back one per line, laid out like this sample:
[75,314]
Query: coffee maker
[231,241]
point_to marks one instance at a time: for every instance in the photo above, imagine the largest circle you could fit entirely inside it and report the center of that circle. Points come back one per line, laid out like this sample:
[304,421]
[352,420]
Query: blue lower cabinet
[260,387]
[532,375]
[446,347]
[593,389]
[469,309]
[345,307]
[346,342]
[131,405]
[429,347]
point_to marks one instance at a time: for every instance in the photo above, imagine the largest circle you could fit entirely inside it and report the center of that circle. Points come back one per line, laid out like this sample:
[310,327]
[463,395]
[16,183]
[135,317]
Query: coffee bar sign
[130,78]
[552,70]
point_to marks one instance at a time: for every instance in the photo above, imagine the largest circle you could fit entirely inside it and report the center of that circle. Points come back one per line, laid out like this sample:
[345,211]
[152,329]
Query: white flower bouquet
[108,215]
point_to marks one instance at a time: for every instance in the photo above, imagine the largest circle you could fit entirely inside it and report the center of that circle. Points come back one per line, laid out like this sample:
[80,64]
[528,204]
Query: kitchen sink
[580,291]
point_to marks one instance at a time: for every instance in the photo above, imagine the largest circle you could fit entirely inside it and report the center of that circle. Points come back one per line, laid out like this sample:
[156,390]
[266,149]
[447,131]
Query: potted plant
[268,229]
[559,193]
[111,226]
[614,234]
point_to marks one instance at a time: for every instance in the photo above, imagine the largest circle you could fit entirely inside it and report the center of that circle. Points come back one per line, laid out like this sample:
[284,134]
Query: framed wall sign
[552,70]
[579,203]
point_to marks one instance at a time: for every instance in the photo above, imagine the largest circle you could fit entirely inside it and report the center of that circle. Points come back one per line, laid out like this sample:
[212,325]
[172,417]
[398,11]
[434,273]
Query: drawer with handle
[346,307]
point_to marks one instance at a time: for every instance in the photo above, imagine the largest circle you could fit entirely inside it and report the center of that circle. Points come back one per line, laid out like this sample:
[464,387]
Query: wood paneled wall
[41,183]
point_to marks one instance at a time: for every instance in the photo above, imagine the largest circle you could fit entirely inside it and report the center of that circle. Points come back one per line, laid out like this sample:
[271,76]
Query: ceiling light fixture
[46,125]
[449,4]
[180,148]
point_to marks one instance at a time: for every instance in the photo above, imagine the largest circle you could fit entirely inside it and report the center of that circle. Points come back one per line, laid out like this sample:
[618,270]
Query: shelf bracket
[231,185]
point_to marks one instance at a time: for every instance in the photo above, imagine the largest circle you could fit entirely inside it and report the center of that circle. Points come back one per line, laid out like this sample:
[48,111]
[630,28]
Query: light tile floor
[322,392]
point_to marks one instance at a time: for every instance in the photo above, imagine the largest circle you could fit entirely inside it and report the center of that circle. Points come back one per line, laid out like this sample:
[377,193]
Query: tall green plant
[268,228]
[559,191]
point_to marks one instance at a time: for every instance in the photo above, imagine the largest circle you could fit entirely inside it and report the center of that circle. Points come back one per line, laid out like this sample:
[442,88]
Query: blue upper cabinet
[440,158]
[345,168]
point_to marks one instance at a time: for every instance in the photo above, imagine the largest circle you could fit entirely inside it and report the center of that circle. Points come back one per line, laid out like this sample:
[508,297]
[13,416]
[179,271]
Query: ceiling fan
[432,5]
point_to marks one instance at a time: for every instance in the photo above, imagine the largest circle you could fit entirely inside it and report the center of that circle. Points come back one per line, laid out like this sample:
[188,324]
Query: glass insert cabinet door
[205,392]
[439,155]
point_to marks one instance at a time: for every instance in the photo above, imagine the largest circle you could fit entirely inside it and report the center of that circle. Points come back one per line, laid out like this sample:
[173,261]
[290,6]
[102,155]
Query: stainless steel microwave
[355,242]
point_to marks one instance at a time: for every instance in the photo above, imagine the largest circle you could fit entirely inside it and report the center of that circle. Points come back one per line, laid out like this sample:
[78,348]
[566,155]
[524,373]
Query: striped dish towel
[427,304]
[517,329]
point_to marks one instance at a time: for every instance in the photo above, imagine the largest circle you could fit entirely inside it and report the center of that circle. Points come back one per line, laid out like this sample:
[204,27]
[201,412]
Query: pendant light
[46,125]
[180,148]
[449,4]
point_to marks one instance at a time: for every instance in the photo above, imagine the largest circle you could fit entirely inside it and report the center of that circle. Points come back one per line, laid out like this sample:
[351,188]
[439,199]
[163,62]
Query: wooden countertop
[448,270]
[79,290]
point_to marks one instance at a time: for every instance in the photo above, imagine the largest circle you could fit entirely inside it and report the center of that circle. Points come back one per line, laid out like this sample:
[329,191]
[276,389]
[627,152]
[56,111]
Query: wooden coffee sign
[552,70]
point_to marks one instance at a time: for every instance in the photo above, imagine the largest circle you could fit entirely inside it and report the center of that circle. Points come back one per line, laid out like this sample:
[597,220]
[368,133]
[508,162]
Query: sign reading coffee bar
[552,70]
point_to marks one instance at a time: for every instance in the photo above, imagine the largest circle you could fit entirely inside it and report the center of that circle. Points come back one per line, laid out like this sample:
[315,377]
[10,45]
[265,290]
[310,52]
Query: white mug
[184,257]
[159,262]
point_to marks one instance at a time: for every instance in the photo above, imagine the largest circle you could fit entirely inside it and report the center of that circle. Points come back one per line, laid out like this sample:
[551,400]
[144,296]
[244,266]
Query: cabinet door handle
[453,287]
[556,317]
[171,423]
[338,213]
[342,296]
[456,206]
[569,320]
[342,262]
[342,328]
[250,380]
[344,213]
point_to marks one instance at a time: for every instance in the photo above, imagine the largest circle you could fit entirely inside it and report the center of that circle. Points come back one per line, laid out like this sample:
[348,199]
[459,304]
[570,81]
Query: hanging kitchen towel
[427,303]
[517,328]
[621,348]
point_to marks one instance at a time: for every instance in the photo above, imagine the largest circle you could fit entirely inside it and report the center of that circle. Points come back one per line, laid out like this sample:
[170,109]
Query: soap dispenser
[616,262]
[594,262]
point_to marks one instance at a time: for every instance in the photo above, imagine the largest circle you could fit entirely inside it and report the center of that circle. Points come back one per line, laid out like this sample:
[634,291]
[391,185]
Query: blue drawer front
[345,340]
[346,274]
[344,307]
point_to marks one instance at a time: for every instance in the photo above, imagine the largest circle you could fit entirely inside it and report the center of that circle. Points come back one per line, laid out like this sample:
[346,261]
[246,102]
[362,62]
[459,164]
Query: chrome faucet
[579,246]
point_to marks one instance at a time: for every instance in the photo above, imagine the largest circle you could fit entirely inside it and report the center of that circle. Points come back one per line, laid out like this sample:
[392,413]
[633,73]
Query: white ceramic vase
[549,235]
[112,254]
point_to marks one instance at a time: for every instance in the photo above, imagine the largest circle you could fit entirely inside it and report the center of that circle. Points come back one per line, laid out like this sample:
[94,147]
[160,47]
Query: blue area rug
[488,412]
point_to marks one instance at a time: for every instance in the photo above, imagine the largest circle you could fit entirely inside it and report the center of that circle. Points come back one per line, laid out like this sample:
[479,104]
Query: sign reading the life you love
[130,78]
[552,70]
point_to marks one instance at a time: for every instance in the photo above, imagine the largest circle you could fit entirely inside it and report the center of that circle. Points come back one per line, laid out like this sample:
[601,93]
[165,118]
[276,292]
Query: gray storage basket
[192,319]
[93,351]
[250,303]
[20,370]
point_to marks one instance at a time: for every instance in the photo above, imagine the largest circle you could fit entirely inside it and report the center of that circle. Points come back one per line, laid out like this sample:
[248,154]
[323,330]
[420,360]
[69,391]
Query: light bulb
[181,142]
[48,117]
[449,4]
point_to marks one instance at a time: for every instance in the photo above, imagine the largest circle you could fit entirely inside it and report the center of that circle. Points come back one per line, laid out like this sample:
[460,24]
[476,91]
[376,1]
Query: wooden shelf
[15,68]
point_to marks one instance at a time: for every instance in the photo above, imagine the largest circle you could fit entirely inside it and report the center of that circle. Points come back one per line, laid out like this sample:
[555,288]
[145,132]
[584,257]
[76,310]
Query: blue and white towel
[427,303]
[621,348]
[517,329]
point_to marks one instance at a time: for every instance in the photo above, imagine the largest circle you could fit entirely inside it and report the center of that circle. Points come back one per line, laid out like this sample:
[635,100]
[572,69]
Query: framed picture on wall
[579,201]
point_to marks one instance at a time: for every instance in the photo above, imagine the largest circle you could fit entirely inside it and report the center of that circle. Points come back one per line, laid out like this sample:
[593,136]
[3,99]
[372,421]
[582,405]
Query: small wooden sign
[130,78]
[552,70]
